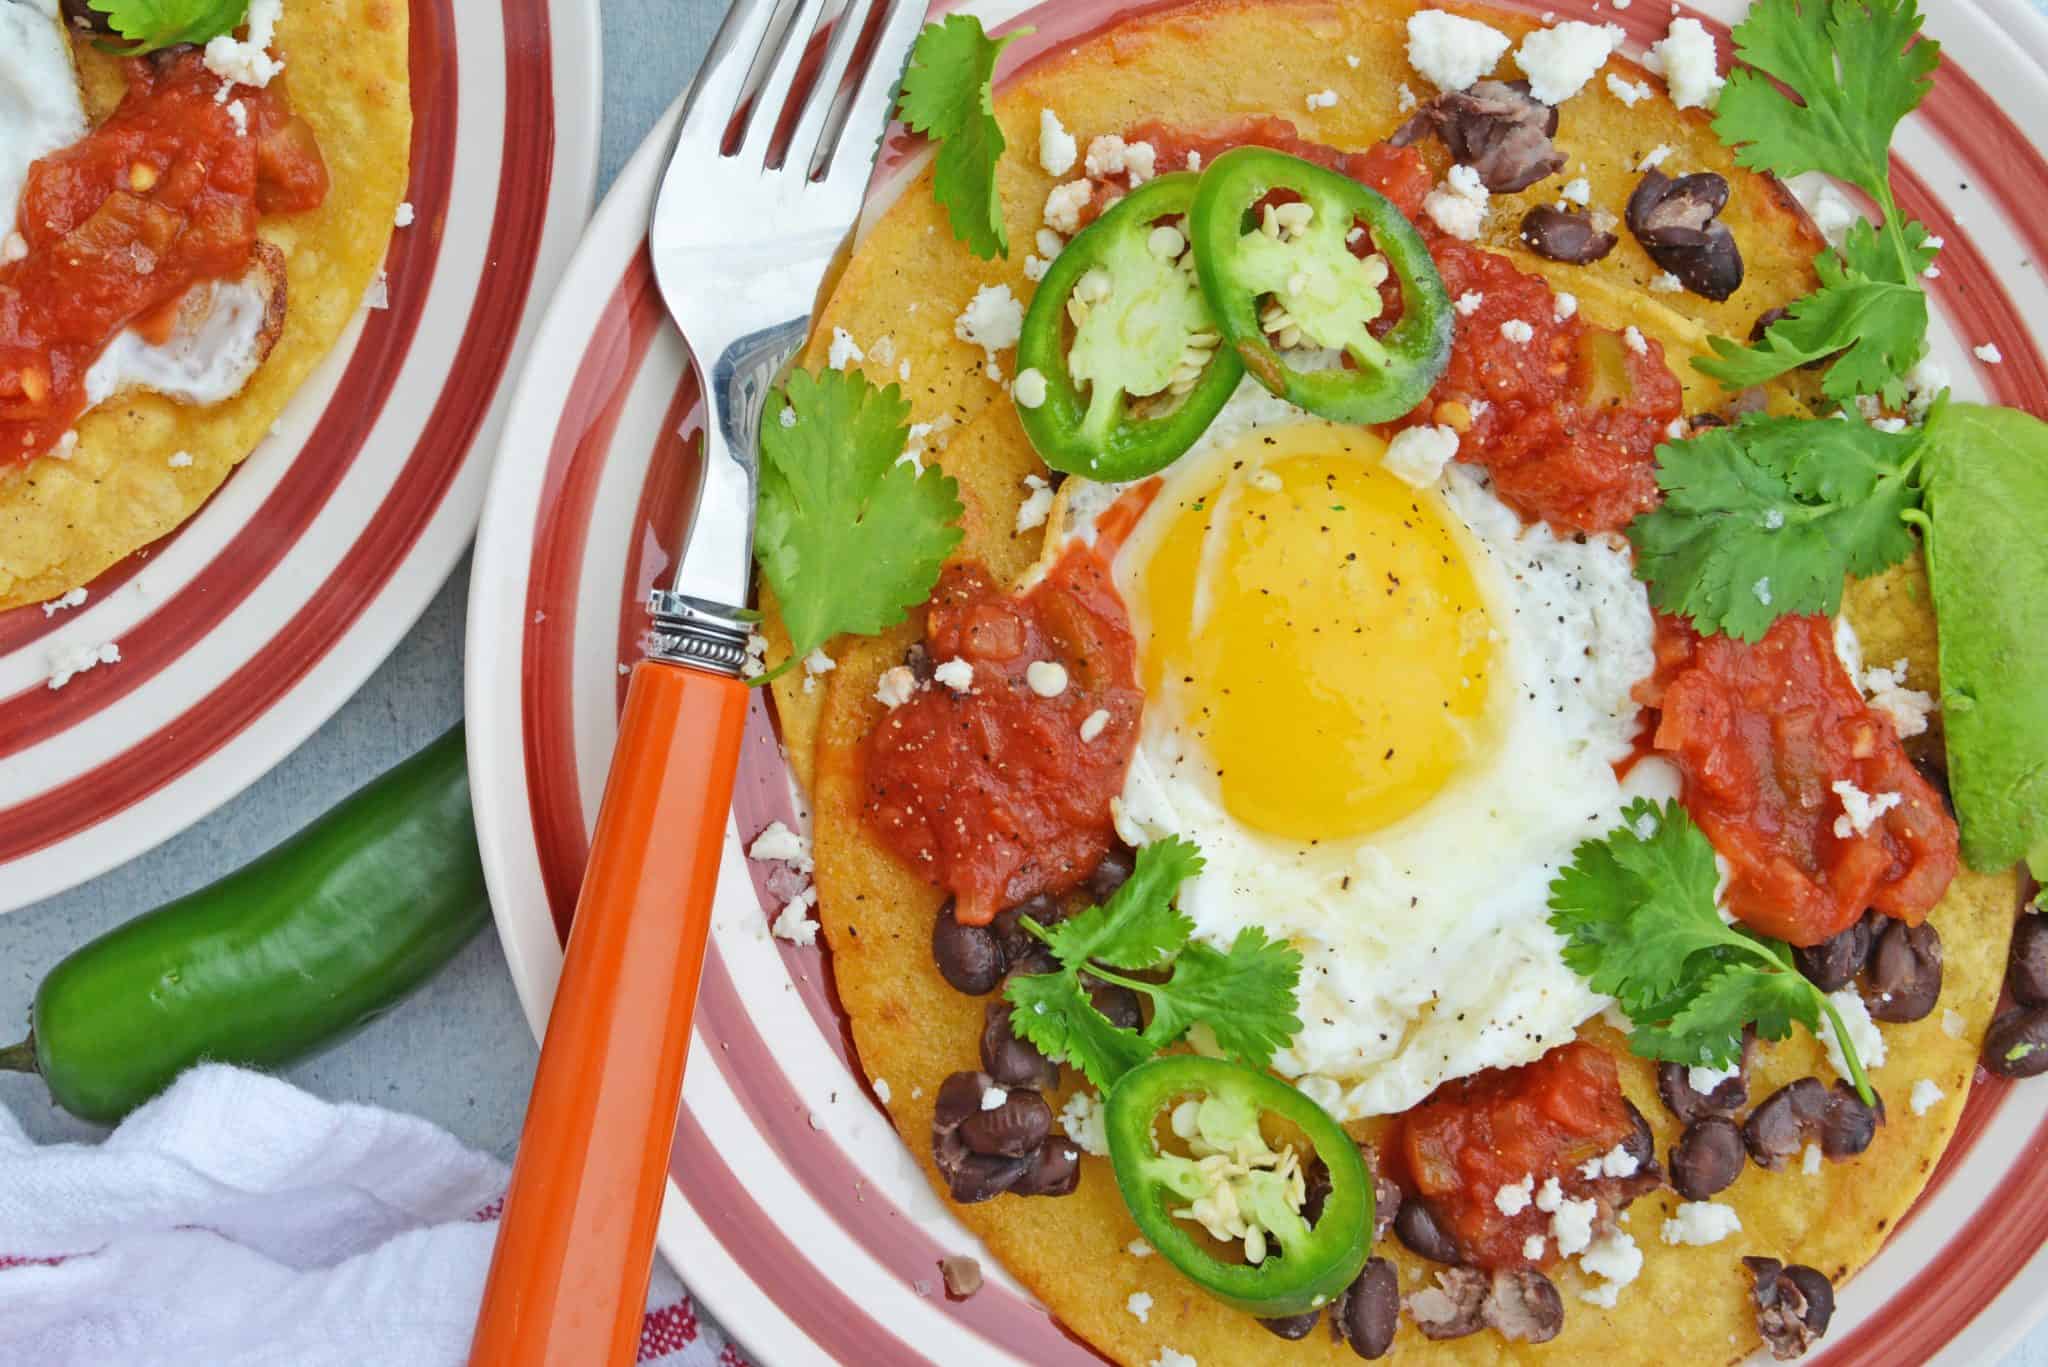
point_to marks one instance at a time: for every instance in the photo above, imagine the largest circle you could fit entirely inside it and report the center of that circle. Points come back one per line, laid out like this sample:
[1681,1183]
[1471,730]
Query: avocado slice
[1986,530]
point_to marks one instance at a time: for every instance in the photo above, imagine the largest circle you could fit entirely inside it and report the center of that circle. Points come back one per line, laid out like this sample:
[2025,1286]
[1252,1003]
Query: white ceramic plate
[244,630]
[794,1211]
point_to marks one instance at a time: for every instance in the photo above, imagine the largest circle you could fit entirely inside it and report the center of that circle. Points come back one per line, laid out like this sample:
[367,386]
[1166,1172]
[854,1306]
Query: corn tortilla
[64,520]
[909,280]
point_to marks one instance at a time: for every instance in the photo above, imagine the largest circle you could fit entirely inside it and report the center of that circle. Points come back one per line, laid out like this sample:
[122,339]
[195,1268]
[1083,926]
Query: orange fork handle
[569,1278]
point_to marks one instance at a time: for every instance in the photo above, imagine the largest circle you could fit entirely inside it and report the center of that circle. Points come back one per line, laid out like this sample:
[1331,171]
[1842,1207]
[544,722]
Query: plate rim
[352,654]
[533,953]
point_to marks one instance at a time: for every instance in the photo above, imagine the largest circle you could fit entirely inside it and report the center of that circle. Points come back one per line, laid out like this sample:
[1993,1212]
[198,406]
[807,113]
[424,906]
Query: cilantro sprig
[1854,69]
[1636,910]
[1766,517]
[1245,995]
[947,95]
[849,537]
[149,25]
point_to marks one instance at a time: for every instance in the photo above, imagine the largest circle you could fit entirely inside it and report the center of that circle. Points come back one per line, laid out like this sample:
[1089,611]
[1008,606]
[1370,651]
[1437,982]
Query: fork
[741,244]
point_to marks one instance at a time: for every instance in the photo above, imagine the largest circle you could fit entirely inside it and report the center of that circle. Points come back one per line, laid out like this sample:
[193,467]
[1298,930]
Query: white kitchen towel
[237,1221]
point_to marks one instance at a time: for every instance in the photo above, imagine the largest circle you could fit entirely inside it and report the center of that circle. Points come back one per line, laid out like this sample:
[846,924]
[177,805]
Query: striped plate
[245,629]
[794,1210]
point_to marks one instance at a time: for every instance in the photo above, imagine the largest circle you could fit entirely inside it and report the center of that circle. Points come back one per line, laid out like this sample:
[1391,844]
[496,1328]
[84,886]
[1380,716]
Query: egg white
[40,106]
[1427,953]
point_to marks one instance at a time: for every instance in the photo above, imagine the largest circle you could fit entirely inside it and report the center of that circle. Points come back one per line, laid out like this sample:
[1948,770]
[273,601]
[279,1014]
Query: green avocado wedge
[1986,530]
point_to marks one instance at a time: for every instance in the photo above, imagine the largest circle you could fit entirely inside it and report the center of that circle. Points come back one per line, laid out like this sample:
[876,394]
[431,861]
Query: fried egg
[40,106]
[1387,715]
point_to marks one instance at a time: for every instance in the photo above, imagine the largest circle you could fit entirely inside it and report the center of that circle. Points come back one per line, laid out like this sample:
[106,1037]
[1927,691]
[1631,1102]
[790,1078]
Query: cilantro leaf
[1245,997]
[1636,910]
[1051,1011]
[1138,927]
[1871,322]
[149,25]
[1706,1031]
[833,496]
[1631,910]
[1766,517]
[1856,71]
[947,95]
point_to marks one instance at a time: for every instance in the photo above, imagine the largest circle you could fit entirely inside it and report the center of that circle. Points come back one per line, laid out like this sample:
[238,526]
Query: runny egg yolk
[1315,625]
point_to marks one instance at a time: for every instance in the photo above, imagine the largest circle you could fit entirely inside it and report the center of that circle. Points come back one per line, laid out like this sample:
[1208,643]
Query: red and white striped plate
[794,1210]
[245,629]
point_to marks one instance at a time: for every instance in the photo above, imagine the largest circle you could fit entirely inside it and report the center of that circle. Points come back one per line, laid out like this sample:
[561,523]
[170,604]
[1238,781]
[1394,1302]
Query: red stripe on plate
[576,458]
[403,514]
[811,1299]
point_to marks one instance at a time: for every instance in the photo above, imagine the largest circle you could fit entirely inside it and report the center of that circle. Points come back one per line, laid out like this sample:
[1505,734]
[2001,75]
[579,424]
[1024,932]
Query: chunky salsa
[1565,415]
[1000,791]
[163,195]
[1566,418]
[1766,735]
[1504,1128]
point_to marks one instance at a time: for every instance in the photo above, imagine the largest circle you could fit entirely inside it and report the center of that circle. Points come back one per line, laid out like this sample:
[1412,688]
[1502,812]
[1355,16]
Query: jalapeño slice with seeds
[1236,1180]
[1288,273]
[1121,333]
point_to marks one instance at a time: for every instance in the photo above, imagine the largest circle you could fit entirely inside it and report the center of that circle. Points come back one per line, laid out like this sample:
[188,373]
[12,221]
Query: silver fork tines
[740,247]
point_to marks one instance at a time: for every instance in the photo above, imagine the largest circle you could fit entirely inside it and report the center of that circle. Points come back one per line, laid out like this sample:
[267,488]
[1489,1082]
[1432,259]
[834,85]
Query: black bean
[1113,872]
[1386,1204]
[2027,972]
[2017,1043]
[968,957]
[1415,1225]
[1563,235]
[918,657]
[1120,1004]
[1794,1305]
[1055,1170]
[970,1176]
[1523,1306]
[1369,1311]
[1905,972]
[1292,1327]
[1678,222]
[1682,1099]
[1497,128]
[1454,1307]
[1780,1128]
[1011,1061]
[84,18]
[1014,1129]
[1641,1143]
[1017,944]
[1316,1188]
[1707,1158]
[959,1097]
[1834,963]
[1847,1125]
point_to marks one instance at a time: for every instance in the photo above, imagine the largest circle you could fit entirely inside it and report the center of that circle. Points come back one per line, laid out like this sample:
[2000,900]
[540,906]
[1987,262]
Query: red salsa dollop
[998,793]
[163,195]
[1567,417]
[1762,733]
[1501,1127]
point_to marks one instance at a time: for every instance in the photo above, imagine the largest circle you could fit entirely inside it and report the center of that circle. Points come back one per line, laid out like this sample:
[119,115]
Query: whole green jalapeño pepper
[1142,374]
[1234,1183]
[1289,272]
